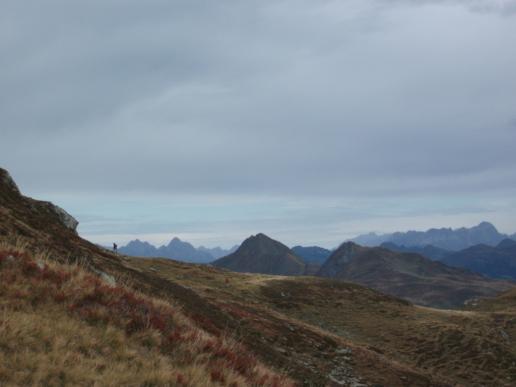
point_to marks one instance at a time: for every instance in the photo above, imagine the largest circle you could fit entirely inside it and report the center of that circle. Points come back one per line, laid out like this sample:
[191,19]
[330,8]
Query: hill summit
[261,254]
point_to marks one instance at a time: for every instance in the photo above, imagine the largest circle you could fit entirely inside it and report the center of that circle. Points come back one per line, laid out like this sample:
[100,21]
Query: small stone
[343,351]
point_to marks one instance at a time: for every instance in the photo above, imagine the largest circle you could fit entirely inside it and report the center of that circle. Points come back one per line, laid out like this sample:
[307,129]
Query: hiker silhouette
[115,248]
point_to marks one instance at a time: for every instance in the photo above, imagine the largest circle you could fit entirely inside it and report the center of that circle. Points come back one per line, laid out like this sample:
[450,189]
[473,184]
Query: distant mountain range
[261,254]
[491,261]
[408,275]
[402,274]
[443,238]
[495,262]
[176,249]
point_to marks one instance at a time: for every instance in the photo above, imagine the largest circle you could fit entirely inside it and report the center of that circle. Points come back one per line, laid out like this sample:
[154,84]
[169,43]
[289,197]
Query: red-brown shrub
[217,376]
[181,380]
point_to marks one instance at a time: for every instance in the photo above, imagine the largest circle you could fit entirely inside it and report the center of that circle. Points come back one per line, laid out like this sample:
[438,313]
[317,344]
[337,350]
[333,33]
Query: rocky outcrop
[7,181]
[11,197]
[64,217]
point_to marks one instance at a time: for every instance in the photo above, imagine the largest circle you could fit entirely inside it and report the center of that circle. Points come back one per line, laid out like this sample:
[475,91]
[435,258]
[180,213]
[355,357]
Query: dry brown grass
[473,348]
[61,325]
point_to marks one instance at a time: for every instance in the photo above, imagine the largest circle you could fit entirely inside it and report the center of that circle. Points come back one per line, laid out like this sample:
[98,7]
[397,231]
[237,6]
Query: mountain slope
[312,254]
[217,252]
[408,276]
[495,262]
[428,251]
[261,254]
[444,238]
[377,338]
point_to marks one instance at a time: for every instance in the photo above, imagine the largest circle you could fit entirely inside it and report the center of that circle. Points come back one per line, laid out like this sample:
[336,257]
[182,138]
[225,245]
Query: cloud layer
[327,100]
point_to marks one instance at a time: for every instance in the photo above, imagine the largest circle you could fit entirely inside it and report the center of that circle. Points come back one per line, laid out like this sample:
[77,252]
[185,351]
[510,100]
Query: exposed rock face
[66,219]
[10,193]
[7,181]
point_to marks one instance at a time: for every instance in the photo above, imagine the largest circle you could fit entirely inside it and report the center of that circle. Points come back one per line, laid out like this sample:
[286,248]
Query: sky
[311,121]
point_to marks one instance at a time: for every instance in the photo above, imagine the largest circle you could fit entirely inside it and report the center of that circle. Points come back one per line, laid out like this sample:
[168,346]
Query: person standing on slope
[115,248]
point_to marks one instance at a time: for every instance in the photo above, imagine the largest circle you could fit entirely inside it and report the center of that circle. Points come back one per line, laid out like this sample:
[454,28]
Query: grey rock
[108,279]
[343,351]
[7,180]
[66,219]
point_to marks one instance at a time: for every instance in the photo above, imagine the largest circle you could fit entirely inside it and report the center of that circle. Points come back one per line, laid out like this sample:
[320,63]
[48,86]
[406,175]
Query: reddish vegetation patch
[95,302]
[217,376]
[181,380]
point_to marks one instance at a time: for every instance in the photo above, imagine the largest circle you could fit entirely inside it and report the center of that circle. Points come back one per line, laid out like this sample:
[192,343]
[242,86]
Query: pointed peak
[486,225]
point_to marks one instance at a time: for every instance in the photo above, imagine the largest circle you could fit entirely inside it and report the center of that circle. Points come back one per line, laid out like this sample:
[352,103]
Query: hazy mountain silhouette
[496,262]
[261,254]
[138,248]
[176,249]
[444,238]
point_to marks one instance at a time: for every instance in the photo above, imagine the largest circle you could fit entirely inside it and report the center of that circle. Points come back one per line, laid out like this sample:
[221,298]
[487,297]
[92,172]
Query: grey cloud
[501,7]
[346,98]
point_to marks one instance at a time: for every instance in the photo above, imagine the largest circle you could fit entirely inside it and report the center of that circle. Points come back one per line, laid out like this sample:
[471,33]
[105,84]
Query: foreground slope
[408,275]
[261,254]
[61,325]
[328,328]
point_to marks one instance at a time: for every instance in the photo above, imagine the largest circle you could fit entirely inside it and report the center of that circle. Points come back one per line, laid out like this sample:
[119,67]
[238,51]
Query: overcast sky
[311,121]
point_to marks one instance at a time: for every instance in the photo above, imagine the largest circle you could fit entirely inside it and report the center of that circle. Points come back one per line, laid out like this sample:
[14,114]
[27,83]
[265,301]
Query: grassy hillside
[414,345]
[61,325]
